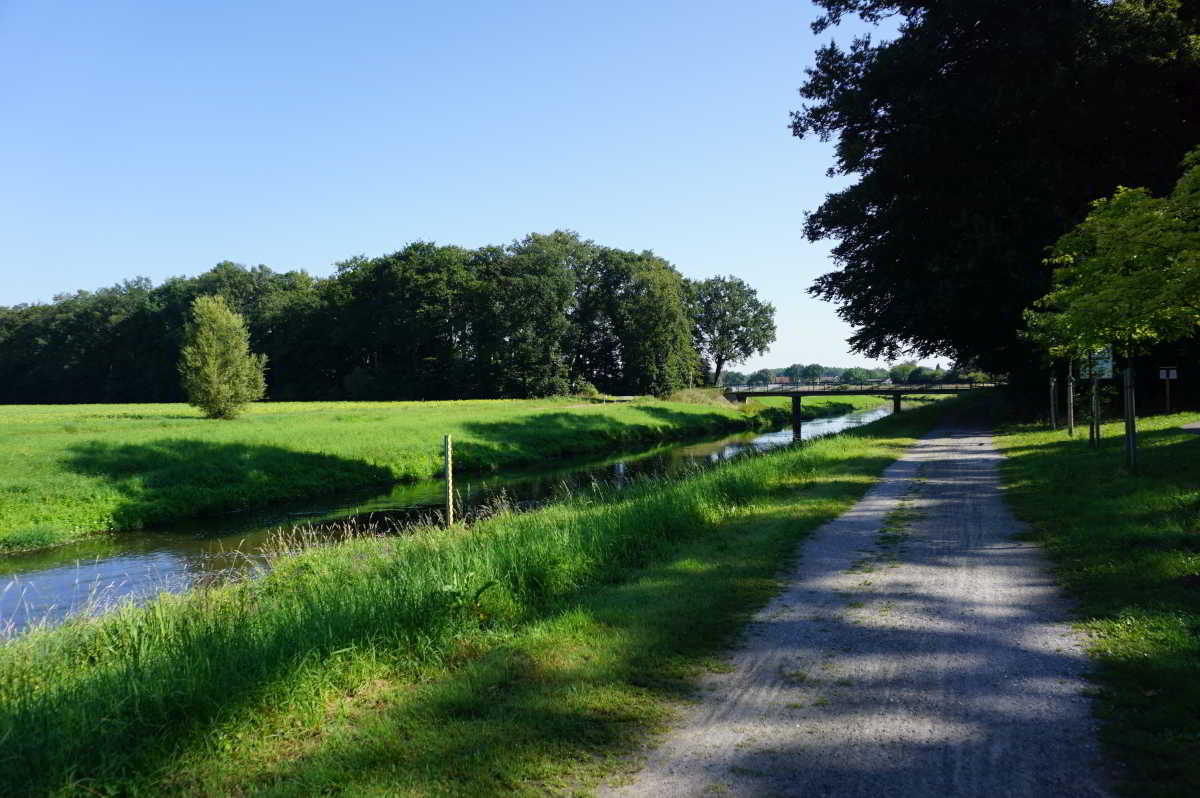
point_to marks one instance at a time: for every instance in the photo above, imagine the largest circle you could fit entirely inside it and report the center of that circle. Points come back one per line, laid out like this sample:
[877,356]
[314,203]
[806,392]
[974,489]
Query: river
[97,573]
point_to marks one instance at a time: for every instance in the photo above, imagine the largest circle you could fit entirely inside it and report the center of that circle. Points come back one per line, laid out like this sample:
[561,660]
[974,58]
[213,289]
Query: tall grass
[101,699]
[1127,547]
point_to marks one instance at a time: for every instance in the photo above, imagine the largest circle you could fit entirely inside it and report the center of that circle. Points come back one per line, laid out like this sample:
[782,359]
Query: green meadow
[1127,547]
[70,470]
[529,654]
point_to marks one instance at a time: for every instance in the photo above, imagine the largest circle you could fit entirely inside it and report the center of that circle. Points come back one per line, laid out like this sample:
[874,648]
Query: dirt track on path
[916,651]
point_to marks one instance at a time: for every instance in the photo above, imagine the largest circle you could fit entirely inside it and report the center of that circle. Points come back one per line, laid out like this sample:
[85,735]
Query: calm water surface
[95,574]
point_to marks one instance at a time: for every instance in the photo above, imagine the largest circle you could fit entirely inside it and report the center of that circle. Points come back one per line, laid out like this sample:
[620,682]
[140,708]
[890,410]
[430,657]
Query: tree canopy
[979,133]
[1127,275]
[729,322]
[545,314]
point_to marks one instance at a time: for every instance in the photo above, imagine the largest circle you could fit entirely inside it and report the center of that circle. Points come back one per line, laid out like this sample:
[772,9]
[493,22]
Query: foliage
[494,660]
[220,374]
[66,471]
[1126,547]
[729,322]
[922,375]
[1127,275]
[977,134]
[856,374]
[761,377]
[899,373]
[427,322]
[631,323]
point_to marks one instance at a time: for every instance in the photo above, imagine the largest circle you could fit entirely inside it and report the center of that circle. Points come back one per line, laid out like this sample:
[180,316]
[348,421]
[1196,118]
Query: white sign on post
[1168,373]
[1097,366]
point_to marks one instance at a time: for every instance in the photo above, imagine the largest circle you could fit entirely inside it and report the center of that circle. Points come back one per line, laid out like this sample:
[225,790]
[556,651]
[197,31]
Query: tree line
[907,372]
[547,314]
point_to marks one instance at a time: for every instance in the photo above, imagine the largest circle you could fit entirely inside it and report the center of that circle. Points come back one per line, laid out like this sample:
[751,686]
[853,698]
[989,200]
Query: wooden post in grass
[1071,398]
[1053,402]
[896,399]
[449,481]
[797,417]
[1094,429]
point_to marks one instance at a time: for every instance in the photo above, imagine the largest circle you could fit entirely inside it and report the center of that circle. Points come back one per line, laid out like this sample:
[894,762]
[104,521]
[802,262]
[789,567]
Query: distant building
[781,380]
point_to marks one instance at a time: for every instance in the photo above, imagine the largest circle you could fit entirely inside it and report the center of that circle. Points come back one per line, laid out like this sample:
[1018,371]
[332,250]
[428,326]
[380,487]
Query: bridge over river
[797,392]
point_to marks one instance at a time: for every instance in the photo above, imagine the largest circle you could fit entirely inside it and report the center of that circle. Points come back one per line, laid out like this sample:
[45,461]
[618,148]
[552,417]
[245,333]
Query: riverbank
[1127,548]
[67,471]
[523,656]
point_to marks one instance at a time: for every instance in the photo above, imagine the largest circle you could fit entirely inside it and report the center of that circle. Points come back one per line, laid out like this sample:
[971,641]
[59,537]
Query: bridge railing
[882,387]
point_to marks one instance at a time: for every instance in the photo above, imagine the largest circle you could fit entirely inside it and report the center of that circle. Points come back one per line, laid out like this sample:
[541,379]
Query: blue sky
[159,138]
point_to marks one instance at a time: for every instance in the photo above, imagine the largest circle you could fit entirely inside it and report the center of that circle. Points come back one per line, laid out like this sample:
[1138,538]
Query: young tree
[219,372]
[1128,276]
[729,323]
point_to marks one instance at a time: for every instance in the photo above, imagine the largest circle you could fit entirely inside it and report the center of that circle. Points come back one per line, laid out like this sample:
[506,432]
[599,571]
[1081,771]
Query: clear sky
[159,138]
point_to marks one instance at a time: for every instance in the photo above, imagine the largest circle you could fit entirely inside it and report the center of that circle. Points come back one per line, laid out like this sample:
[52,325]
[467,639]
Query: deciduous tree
[220,374]
[729,323]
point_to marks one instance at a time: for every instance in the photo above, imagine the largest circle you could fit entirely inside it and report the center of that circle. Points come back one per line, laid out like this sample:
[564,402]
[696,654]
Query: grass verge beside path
[1127,547]
[526,655]
[70,470]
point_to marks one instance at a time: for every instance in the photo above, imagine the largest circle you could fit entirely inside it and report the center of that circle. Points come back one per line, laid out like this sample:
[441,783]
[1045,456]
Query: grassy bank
[1127,547]
[68,470]
[525,655]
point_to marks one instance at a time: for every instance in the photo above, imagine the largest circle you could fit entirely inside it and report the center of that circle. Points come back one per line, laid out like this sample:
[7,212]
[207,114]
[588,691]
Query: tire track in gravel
[917,650]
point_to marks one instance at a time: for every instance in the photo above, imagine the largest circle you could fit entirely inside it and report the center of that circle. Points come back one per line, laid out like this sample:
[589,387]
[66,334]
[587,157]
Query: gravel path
[917,650]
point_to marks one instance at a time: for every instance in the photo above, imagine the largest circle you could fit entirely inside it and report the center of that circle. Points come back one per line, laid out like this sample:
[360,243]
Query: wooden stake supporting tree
[1130,403]
[1071,398]
[1053,402]
[449,458]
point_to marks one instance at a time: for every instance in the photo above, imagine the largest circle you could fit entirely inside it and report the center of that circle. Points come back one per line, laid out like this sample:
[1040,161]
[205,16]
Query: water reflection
[94,574]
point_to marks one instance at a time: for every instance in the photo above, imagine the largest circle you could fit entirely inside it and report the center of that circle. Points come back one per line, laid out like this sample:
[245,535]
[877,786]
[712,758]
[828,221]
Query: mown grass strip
[1127,547]
[67,471]
[527,653]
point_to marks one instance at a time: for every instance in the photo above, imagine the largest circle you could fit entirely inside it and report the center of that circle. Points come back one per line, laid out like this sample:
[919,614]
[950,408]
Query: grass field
[1127,547]
[526,655]
[69,470]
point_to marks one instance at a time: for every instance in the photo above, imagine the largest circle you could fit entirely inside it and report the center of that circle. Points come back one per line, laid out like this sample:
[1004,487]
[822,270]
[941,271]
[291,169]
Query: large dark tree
[979,134]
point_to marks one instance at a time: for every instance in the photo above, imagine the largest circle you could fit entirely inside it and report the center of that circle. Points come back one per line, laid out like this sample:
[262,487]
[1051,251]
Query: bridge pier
[896,402]
[797,417]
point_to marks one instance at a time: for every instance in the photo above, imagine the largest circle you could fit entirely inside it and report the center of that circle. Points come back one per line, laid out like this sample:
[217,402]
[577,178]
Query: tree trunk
[1130,420]
[719,365]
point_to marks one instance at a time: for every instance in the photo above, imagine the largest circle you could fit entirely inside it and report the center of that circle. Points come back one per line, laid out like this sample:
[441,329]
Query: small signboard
[1168,373]
[1098,365]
